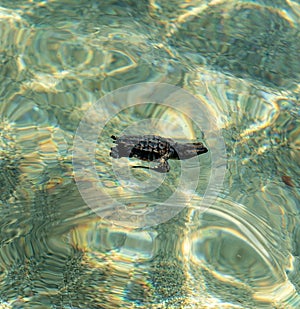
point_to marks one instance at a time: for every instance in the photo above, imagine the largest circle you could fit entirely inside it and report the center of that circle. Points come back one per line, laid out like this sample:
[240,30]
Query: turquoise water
[81,230]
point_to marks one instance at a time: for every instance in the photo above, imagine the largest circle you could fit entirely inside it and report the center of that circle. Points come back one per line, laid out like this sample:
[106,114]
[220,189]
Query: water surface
[240,60]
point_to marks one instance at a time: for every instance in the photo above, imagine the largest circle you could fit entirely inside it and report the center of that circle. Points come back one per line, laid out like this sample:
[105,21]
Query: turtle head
[187,150]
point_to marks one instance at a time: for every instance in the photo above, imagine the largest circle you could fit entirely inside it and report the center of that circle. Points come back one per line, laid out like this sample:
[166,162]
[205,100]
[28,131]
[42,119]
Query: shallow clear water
[82,230]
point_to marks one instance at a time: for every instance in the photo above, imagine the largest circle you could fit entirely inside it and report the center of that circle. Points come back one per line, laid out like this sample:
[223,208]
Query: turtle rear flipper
[114,153]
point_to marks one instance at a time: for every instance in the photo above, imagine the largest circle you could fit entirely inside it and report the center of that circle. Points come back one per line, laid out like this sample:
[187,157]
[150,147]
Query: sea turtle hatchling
[154,148]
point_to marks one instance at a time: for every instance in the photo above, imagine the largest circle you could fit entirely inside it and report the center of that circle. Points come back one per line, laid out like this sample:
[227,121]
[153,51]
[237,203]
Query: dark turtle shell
[145,148]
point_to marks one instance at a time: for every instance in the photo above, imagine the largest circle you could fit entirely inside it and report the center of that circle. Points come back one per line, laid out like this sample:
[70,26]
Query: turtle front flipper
[163,167]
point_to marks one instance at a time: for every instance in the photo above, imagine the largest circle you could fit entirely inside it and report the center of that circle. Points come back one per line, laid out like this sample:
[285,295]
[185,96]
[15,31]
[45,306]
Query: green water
[79,229]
